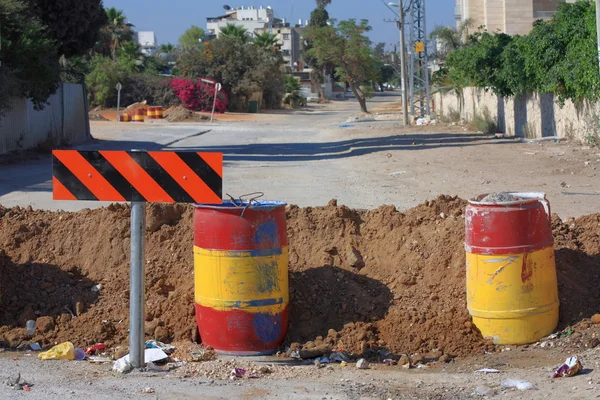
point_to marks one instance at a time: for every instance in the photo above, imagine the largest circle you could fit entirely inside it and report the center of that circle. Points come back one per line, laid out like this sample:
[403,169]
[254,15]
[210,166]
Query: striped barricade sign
[148,176]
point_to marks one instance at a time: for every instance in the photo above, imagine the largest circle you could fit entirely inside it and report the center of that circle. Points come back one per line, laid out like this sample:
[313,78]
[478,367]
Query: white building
[147,41]
[260,20]
[251,18]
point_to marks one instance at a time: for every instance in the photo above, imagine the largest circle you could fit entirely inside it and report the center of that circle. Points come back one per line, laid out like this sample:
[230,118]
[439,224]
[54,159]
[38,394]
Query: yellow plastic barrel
[512,290]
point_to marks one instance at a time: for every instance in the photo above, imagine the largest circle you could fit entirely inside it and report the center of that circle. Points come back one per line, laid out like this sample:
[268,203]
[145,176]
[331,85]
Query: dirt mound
[181,114]
[359,280]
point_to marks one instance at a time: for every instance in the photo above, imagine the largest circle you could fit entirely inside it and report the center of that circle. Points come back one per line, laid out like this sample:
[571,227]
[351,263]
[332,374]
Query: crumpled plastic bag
[571,367]
[63,351]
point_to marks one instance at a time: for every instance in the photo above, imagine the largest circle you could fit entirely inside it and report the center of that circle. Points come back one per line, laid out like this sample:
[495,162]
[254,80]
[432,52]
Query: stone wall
[533,116]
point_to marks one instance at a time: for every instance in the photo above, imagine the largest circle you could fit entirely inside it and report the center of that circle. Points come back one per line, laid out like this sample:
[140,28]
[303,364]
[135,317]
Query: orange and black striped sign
[152,176]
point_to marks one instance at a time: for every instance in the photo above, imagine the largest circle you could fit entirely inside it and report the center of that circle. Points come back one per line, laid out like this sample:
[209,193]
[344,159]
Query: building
[147,41]
[260,20]
[508,16]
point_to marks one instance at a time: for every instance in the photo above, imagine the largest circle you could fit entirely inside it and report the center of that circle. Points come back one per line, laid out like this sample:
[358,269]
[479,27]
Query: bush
[104,75]
[156,90]
[198,96]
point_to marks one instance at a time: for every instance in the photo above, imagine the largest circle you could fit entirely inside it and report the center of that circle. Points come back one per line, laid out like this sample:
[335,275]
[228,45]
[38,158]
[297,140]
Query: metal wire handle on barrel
[240,200]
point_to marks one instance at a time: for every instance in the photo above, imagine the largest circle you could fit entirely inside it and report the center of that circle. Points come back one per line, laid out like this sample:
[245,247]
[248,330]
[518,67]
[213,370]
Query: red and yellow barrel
[158,112]
[124,118]
[151,113]
[241,276]
[139,115]
[512,291]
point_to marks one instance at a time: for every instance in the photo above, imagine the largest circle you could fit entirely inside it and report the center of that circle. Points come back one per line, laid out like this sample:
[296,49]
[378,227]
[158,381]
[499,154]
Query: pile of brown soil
[182,114]
[359,280]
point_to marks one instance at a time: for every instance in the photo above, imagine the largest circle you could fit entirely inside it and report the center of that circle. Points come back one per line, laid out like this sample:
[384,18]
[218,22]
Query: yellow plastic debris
[63,351]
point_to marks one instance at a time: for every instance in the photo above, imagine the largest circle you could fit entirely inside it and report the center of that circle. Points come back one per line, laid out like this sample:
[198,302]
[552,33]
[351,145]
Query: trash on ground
[237,373]
[343,364]
[398,173]
[26,388]
[347,126]
[203,355]
[154,344]
[30,326]
[488,371]
[151,355]
[485,391]
[96,288]
[98,359]
[153,367]
[98,347]
[389,361]
[362,364]
[338,356]
[35,346]
[148,390]
[79,354]
[63,351]
[122,365]
[517,383]
[571,367]
[324,360]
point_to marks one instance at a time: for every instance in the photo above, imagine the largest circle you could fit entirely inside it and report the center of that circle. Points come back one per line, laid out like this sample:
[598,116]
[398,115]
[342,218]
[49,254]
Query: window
[286,36]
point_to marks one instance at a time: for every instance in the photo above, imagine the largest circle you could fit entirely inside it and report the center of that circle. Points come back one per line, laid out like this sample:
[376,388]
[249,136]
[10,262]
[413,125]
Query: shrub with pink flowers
[197,95]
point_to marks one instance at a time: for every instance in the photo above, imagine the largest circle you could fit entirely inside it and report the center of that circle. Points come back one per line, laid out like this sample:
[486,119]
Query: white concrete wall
[532,116]
[64,119]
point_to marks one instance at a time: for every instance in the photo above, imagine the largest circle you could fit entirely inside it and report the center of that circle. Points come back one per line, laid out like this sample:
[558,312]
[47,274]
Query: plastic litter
[35,347]
[154,344]
[63,351]
[389,361]
[98,347]
[488,371]
[79,354]
[98,359]
[346,126]
[338,356]
[362,364]
[30,327]
[518,383]
[571,367]
[148,390]
[122,365]
[485,391]
[237,373]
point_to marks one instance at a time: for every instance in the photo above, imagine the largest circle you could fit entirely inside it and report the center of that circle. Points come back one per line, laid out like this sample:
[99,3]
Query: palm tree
[166,48]
[323,3]
[236,32]
[117,30]
[451,39]
[266,40]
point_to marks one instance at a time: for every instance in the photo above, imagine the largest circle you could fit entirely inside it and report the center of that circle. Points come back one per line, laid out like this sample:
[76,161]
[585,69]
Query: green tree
[28,57]
[104,75]
[235,32]
[449,39]
[73,24]
[319,18]
[266,40]
[191,38]
[166,48]
[113,34]
[348,47]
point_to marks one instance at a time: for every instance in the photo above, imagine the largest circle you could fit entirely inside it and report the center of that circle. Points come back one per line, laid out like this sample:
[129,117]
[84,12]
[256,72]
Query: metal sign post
[217,89]
[139,177]
[137,285]
[118,87]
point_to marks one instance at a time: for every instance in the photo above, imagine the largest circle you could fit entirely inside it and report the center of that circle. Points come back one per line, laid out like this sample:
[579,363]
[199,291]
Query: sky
[169,19]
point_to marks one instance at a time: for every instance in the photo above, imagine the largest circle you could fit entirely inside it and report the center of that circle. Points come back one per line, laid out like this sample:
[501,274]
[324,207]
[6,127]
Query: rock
[264,370]
[161,334]
[26,315]
[445,358]
[121,352]
[417,359]
[355,259]
[45,324]
[79,308]
[407,280]
[314,353]
[443,215]
[14,338]
[404,361]
[596,319]
[150,327]
[362,364]
[332,333]
[593,343]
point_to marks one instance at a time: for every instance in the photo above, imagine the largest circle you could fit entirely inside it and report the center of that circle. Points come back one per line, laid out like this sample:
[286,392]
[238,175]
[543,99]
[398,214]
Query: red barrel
[512,291]
[241,276]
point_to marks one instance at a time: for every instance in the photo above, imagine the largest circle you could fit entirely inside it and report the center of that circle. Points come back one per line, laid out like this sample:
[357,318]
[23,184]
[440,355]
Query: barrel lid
[244,204]
[507,198]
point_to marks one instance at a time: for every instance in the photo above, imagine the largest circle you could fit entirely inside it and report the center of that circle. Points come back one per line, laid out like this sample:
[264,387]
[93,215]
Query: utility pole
[400,22]
[420,96]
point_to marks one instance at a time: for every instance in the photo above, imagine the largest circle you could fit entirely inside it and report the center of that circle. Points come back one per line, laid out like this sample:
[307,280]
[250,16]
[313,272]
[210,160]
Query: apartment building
[259,20]
[508,16]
